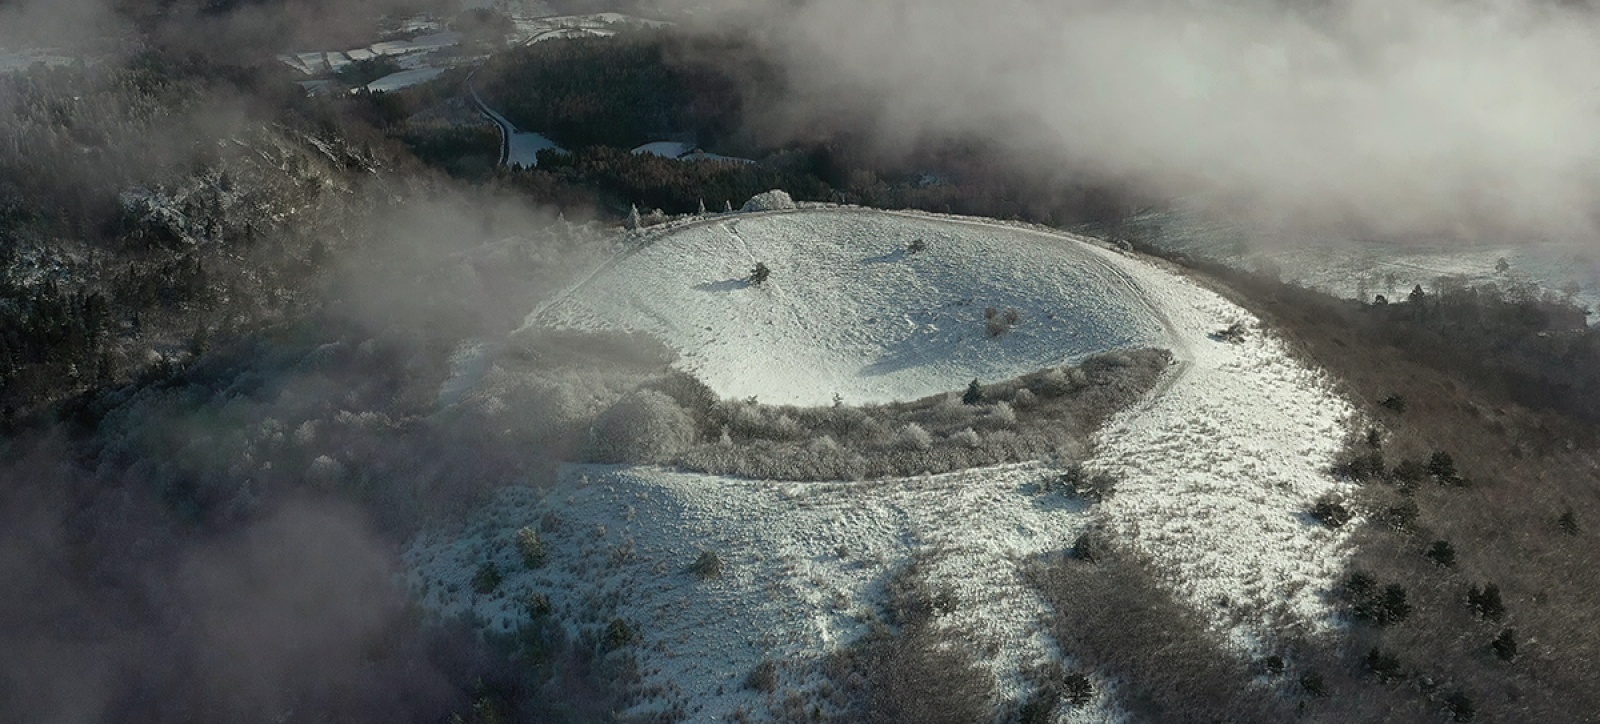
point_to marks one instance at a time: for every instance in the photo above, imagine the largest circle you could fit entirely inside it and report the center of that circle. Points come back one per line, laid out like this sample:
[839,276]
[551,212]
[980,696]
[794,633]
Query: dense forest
[601,97]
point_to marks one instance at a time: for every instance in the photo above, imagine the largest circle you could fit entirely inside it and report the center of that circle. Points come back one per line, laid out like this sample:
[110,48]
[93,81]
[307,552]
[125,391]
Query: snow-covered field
[680,151]
[403,79]
[1217,465]
[521,147]
[1358,269]
[14,59]
[524,147]
[534,29]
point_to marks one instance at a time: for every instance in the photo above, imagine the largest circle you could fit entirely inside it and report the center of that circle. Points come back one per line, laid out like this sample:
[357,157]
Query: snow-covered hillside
[1217,466]
[849,310]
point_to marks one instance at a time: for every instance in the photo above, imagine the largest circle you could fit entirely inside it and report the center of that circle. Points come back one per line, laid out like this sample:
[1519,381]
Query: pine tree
[974,393]
[633,217]
[1486,602]
[1505,645]
[702,210]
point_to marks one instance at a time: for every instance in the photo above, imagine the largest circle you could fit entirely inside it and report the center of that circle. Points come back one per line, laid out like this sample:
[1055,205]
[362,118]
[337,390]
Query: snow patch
[525,147]
[403,79]
[665,149]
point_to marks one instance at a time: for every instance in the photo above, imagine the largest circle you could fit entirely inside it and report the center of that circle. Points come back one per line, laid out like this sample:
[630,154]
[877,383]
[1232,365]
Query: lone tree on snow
[633,218]
[974,393]
[759,274]
[916,245]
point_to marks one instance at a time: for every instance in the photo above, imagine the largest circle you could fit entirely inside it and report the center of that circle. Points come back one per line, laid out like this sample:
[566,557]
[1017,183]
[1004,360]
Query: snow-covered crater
[850,309]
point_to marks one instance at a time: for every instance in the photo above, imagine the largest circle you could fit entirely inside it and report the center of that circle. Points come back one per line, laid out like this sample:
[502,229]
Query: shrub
[974,393]
[644,426]
[966,438]
[1379,607]
[1273,665]
[531,548]
[1400,516]
[1410,471]
[1505,645]
[1443,468]
[1361,468]
[707,566]
[1083,548]
[487,579]
[913,438]
[997,322]
[1442,553]
[538,605]
[1460,707]
[759,274]
[1232,334]
[1038,708]
[1330,512]
[1568,522]
[916,245]
[1384,608]
[1385,666]
[618,634]
[764,677]
[1396,403]
[1312,683]
[1077,483]
[1485,602]
[1077,690]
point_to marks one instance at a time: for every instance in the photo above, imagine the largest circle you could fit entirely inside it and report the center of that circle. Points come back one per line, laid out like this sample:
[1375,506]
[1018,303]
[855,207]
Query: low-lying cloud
[1431,117]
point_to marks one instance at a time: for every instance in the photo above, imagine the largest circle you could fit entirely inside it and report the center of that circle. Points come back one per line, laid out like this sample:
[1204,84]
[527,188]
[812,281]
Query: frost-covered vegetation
[611,398]
[1051,413]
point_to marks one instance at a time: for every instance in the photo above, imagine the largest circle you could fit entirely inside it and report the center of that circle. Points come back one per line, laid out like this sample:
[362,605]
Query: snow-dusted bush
[951,412]
[824,444]
[966,438]
[764,677]
[913,437]
[531,547]
[707,566]
[774,200]
[997,322]
[759,274]
[325,471]
[644,426]
[1001,415]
